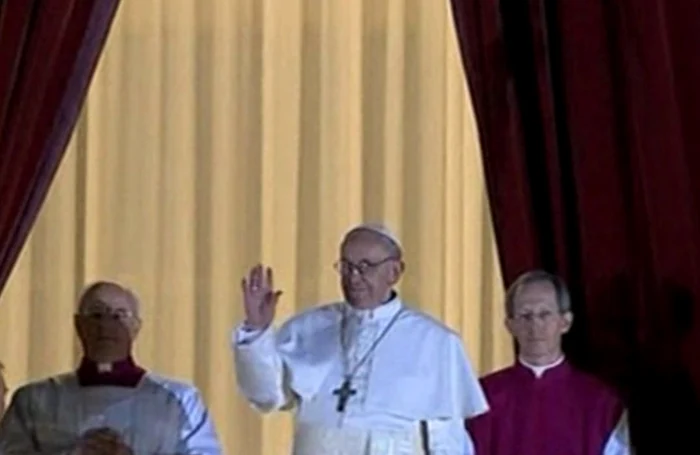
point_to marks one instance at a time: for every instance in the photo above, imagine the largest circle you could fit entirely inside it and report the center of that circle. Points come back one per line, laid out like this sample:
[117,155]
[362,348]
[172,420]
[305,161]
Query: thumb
[276,297]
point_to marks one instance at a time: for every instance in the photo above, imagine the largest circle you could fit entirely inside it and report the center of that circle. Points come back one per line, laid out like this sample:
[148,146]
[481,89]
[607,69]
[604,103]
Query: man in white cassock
[365,376]
[109,405]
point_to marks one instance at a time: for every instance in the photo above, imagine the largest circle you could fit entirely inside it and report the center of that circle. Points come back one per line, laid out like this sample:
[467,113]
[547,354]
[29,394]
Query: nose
[355,278]
[350,272]
[534,327]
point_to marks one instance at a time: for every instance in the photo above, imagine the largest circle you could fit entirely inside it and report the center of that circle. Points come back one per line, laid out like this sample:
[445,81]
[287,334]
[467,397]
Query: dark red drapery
[587,113]
[48,52]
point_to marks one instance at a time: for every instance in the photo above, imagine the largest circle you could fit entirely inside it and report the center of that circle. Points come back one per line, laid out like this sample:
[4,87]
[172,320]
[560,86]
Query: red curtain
[48,52]
[587,112]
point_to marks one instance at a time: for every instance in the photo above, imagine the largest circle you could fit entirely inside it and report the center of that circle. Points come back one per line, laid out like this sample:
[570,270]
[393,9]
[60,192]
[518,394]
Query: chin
[364,305]
[355,298]
[538,350]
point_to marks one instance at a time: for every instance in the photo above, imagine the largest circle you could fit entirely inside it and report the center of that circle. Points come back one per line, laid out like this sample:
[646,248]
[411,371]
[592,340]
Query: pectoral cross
[344,392]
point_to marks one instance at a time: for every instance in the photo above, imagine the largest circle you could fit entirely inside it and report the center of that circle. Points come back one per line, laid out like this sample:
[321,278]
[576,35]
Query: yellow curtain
[218,133]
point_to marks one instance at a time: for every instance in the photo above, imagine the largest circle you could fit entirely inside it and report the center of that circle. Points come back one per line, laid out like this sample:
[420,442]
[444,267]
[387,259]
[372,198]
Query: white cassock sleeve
[619,441]
[17,431]
[260,371]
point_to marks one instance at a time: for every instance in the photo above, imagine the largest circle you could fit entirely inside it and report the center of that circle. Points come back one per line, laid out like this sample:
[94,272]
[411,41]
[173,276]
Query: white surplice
[418,372]
[157,417]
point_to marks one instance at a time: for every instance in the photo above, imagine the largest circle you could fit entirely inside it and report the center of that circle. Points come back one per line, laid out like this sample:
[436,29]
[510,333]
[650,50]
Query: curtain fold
[48,52]
[220,133]
[586,112]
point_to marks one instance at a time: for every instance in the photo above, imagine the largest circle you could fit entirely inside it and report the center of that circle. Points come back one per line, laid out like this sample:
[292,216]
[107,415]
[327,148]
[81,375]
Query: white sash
[322,440]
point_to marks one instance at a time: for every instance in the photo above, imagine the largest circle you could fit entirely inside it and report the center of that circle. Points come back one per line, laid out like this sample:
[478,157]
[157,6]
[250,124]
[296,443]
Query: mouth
[355,289]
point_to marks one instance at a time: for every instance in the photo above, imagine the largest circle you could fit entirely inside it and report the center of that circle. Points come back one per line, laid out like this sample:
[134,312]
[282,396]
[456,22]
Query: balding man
[365,376]
[542,405]
[109,405]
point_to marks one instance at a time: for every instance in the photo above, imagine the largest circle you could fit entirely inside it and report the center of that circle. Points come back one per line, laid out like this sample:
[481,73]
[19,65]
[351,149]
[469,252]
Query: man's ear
[508,322]
[396,272]
[568,318]
[77,325]
[135,328]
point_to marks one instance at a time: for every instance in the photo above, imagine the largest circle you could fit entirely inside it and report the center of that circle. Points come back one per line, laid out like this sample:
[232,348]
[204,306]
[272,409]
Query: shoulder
[44,392]
[46,385]
[425,324]
[180,389]
[180,397]
[592,386]
[183,393]
[596,398]
[312,317]
[498,380]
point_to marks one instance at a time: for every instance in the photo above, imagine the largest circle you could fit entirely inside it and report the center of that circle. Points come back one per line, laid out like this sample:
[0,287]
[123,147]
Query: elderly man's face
[107,322]
[368,269]
[537,323]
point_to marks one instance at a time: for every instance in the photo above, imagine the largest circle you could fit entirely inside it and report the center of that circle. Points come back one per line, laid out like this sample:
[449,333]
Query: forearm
[260,370]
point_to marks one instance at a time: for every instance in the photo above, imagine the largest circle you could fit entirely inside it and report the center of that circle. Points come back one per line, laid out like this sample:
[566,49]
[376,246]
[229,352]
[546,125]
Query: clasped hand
[103,441]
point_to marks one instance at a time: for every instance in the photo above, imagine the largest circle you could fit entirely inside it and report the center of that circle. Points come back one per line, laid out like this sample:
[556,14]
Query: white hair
[381,230]
[96,286]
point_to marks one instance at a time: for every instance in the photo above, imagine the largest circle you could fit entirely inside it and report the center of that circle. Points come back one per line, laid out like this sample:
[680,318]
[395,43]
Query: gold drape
[218,133]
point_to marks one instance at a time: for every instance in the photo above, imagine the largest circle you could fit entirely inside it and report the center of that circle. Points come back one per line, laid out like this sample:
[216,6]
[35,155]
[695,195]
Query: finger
[269,278]
[244,287]
[251,276]
[271,298]
[103,435]
[109,432]
[256,277]
[102,431]
[99,445]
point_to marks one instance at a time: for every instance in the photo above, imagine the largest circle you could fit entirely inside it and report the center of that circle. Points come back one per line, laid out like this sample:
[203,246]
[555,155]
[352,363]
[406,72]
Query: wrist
[252,327]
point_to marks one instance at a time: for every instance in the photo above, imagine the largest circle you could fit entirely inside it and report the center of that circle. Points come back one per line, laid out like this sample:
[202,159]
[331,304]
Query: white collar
[539,370]
[104,367]
[384,311]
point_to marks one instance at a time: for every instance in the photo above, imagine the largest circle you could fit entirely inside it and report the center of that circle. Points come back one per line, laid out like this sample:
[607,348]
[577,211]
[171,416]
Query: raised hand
[259,297]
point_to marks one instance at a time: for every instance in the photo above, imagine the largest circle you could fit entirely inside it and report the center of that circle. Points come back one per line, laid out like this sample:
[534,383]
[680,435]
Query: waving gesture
[259,297]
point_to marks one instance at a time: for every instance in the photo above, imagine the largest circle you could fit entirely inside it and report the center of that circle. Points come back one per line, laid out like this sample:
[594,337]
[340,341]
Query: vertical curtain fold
[586,112]
[48,52]
[220,133]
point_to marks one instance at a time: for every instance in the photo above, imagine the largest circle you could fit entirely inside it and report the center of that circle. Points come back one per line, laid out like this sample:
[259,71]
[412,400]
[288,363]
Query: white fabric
[158,417]
[317,440]
[619,441]
[539,370]
[418,372]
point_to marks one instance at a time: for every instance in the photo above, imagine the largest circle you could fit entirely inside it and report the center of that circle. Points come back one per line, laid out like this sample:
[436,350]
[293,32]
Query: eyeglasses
[542,316]
[362,268]
[114,315]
